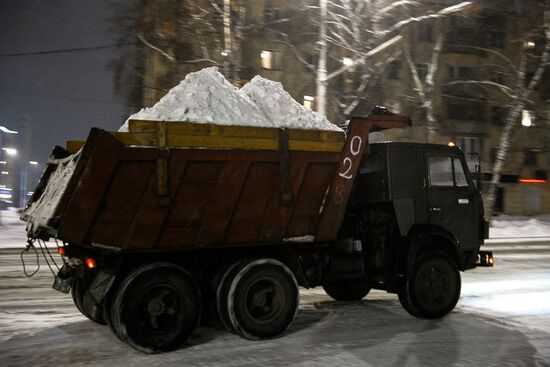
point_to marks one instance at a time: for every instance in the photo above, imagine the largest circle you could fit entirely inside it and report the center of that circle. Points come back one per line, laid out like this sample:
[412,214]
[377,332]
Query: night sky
[63,94]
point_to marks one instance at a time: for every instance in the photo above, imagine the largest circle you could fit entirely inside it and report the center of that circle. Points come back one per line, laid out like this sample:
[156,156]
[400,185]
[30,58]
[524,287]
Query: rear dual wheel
[258,299]
[156,308]
[78,291]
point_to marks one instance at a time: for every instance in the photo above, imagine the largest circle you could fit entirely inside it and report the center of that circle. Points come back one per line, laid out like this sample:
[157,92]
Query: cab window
[460,176]
[446,172]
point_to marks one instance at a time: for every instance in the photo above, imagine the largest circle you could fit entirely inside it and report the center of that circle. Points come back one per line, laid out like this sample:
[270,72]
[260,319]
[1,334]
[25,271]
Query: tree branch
[150,45]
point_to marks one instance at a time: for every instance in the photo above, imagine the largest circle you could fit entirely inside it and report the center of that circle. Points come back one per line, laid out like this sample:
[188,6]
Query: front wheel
[346,291]
[434,288]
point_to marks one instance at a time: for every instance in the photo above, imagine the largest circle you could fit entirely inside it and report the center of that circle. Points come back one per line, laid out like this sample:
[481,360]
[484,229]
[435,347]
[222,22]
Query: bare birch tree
[519,92]
[424,88]
[362,30]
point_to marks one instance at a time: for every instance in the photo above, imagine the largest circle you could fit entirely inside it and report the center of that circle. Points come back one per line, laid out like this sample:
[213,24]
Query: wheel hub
[264,300]
[156,307]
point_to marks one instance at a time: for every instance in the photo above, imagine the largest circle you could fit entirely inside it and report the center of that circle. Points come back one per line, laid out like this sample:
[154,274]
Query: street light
[4,172]
[7,131]
[10,151]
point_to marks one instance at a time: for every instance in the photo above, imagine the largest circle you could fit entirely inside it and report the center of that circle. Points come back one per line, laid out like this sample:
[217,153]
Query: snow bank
[207,97]
[506,226]
[281,108]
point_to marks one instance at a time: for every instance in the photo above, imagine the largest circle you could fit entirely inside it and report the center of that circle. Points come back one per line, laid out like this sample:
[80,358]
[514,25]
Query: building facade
[456,75]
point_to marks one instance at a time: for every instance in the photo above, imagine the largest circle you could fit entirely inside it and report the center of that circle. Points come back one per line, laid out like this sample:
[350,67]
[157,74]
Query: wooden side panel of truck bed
[215,197]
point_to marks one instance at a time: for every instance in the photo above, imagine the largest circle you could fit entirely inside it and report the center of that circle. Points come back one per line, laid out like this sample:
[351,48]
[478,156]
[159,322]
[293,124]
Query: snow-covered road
[503,318]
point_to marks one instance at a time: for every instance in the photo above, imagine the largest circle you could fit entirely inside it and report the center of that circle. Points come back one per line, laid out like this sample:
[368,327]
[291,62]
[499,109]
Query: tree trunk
[502,154]
[322,67]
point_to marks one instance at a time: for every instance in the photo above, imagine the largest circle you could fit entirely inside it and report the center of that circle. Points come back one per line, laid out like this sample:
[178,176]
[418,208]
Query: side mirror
[476,174]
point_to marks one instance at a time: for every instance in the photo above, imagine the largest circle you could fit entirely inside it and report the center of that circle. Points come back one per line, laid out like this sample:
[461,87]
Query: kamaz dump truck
[164,224]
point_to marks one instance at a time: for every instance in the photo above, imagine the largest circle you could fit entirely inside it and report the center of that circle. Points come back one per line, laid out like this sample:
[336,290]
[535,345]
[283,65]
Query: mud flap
[64,279]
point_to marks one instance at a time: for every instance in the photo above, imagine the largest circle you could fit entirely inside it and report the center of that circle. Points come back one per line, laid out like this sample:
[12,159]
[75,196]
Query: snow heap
[506,226]
[207,97]
[204,97]
[281,108]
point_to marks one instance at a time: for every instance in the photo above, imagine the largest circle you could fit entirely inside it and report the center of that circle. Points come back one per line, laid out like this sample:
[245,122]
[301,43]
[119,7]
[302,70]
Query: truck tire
[346,291]
[77,292]
[224,279]
[156,308]
[434,288]
[263,299]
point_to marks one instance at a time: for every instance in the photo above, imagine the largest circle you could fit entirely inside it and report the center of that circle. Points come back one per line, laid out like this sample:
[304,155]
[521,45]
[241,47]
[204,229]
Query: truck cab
[412,203]
[427,185]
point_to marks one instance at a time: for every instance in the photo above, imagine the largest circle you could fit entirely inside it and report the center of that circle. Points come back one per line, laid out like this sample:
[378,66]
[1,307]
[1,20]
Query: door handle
[435,209]
[464,201]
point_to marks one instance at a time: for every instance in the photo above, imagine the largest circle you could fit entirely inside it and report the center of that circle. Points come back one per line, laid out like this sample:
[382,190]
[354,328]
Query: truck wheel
[433,290]
[77,292]
[263,299]
[156,308]
[346,291]
[223,280]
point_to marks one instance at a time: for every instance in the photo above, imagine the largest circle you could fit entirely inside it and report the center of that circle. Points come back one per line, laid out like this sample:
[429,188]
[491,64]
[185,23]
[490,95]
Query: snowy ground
[503,318]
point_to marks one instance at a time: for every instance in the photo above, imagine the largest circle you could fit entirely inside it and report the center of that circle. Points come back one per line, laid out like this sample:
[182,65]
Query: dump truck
[170,222]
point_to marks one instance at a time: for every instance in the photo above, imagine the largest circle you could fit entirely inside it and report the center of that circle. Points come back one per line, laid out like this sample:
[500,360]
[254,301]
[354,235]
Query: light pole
[9,152]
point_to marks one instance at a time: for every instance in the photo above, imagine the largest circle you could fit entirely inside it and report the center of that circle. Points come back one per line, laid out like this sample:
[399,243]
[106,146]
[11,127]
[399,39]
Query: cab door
[453,201]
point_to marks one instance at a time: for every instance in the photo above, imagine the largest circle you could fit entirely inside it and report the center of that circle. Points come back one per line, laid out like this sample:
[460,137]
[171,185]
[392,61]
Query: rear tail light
[61,251]
[90,263]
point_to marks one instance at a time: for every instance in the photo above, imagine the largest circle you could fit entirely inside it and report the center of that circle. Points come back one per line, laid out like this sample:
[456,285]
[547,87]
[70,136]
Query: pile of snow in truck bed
[281,108]
[207,97]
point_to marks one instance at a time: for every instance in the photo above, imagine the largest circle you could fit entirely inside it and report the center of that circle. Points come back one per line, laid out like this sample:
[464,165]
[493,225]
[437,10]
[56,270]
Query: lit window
[527,118]
[348,61]
[309,102]
[271,60]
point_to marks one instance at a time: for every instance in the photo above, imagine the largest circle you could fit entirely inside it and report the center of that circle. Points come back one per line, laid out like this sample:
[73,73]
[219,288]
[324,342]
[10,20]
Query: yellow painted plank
[315,146]
[136,139]
[193,135]
[190,128]
[222,142]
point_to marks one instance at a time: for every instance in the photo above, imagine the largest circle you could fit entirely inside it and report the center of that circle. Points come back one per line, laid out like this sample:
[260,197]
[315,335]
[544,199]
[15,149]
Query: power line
[65,97]
[66,50]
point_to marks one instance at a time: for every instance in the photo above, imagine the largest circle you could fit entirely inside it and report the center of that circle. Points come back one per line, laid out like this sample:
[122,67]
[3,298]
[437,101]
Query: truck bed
[126,196]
